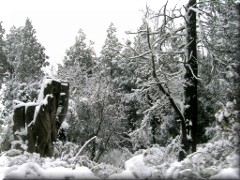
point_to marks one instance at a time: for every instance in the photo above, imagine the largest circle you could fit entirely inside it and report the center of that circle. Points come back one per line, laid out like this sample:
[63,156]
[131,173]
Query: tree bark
[238,58]
[191,67]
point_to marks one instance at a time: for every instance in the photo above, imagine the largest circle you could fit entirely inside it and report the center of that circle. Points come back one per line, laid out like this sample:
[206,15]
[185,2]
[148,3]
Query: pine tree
[78,64]
[80,54]
[3,58]
[77,69]
[31,56]
[110,53]
[25,58]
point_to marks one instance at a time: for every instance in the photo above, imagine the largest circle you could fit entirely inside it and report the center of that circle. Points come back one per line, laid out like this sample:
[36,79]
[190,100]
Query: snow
[211,160]
[59,110]
[33,170]
[135,168]
[126,174]
[83,99]
[219,115]
[173,171]
[138,167]
[64,125]
[22,132]
[45,100]
[44,84]
[227,173]
[67,173]
[155,162]
[41,101]
[29,104]
[17,104]
[37,108]
[64,84]
[14,165]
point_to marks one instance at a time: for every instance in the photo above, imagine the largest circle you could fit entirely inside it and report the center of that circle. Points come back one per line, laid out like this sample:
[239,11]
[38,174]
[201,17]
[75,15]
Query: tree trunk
[238,58]
[184,141]
[191,66]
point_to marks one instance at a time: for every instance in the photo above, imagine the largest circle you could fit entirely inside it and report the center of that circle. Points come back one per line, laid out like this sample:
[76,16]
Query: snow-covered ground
[216,160]
[14,165]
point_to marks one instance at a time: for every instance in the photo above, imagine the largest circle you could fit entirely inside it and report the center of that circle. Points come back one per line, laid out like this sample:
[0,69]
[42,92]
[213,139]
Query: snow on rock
[17,104]
[22,132]
[44,84]
[227,173]
[59,110]
[29,104]
[138,167]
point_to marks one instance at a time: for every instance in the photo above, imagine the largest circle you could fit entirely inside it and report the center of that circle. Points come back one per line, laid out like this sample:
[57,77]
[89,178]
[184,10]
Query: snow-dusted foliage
[127,110]
[14,164]
[24,58]
[207,162]
[214,160]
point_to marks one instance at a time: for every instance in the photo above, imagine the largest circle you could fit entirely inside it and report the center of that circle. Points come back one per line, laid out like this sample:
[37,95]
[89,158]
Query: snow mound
[126,174]
[15,165]
[135,167]
[138,166]
[32,170]
[227,173]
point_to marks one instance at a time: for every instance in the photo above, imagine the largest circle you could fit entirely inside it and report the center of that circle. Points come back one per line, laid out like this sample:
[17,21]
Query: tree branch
[86,143]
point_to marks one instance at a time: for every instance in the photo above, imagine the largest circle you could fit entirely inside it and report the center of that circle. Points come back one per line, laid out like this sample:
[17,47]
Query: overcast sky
[58,21]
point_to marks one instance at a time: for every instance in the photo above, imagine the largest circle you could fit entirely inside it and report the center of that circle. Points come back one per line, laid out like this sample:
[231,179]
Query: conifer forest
[164,104]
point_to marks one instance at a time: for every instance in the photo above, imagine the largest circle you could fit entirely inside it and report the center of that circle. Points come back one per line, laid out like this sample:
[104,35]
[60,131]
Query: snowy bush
[149,163]
[18,164]
[207,161]
[65,150]
[34,171]
[6,135]
[116,157]
[104,170]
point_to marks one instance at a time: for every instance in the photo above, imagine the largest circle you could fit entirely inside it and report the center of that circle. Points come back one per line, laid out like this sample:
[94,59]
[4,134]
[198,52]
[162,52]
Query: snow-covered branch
[81,149]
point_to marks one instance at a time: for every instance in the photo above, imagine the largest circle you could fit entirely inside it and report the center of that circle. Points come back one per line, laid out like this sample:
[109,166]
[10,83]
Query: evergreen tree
[31,57]
[218,35]
[78,64]
[24,59]
[80,54]
[110,53]
[3,58]
[77,68]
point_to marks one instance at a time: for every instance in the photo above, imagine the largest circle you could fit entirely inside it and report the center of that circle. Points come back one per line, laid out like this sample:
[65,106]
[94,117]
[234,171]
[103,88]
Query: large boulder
[42,119]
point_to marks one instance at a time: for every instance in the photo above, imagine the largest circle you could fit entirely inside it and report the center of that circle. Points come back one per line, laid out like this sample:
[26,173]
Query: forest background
[174,87]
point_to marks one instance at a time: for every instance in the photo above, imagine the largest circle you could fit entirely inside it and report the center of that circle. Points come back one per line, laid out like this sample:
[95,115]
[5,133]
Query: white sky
[58,21]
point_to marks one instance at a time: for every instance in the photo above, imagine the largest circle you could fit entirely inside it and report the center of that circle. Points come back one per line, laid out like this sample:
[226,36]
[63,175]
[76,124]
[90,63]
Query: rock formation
[39,122]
